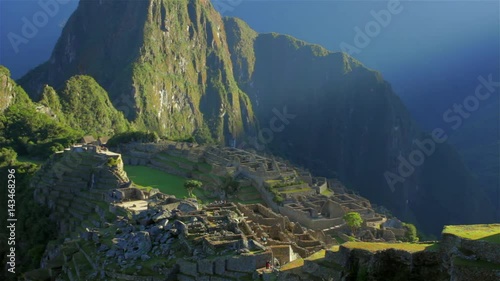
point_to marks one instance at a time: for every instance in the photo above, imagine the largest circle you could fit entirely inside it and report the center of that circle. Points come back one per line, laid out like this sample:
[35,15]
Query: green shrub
[411,232]
[134,136]
[278,199]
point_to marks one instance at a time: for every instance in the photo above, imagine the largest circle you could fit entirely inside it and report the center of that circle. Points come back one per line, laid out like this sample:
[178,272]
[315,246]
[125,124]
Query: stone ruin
[95,201]
[219,229]
[75,183]
[275,230]
[315,202]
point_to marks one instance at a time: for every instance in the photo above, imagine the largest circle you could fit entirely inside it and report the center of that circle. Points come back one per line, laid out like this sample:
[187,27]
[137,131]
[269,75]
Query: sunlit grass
[327,192]
[484,232]
[150,177]
[374,247]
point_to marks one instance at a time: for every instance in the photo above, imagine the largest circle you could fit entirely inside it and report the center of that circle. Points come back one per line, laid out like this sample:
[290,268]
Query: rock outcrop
[75,184]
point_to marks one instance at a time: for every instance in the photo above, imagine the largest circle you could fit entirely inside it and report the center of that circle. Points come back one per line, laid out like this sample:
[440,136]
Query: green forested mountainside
[349,123]
[165,64]
[26,127]
[58,119]
[178,69]
[52,103]
[86,106]
[10,92]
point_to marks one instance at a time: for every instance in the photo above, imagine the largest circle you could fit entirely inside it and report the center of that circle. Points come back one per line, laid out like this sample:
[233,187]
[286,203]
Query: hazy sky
[424,36]
[432,52]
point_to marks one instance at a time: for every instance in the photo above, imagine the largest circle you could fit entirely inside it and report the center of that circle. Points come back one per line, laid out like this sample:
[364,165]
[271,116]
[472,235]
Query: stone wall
[262,215]
[320,184]
[283,253]
[71,181]
[127,194]
[333,209]
[305,219]
[387,265]
[483,250]
[231,268]
[293,187]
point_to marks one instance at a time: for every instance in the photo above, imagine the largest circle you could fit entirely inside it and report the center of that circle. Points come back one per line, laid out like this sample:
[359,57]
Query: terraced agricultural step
[70,274]
[79,261]
[81,207]
[78,214]
[64,203]
[87,257]
[86,195]
[86,224]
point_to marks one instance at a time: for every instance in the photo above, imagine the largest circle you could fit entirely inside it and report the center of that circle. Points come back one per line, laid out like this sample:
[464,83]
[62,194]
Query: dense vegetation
[181,86]
[35,131]
[28,130]
[33,227]
[87,107]
[133,136]
[353,220]
[411,232]
[58,120]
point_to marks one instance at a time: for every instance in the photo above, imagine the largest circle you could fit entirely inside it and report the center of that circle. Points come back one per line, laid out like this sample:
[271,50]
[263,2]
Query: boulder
[187,206]
[161,215]
[181,227]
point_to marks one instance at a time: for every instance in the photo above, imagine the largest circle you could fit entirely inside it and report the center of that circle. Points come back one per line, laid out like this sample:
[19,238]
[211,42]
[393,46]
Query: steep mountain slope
[25,127]
[86,106]
[165,64]
[10,92]
[348,122]
[478,140]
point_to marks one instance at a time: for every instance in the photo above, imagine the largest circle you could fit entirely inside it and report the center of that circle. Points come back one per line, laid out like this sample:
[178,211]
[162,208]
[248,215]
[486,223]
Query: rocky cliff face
[344,120]
[165,64]
[6,89]
[10,93]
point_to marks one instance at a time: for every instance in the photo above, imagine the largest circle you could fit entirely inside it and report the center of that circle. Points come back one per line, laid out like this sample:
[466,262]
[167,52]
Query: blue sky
[424,35]
[38,48]
[431,51]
